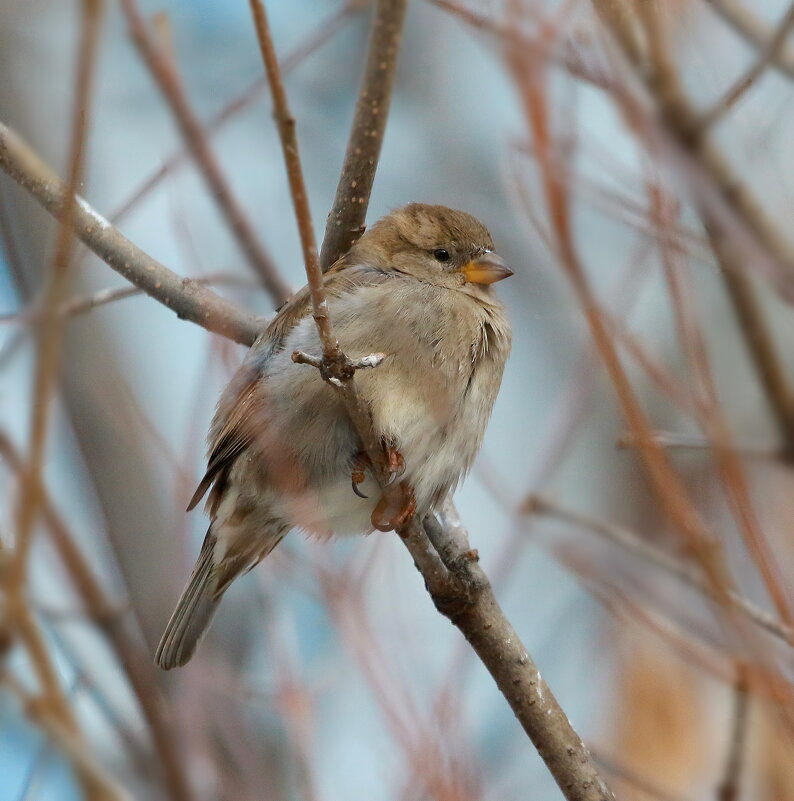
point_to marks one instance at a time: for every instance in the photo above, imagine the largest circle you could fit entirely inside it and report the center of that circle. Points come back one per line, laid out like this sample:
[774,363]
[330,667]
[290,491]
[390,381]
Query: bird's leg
[395,508]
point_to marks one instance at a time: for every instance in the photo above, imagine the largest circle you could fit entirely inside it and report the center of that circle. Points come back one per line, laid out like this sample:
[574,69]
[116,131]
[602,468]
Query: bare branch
[313,41]
[346,220]
[769,53]
[755,31]
[186,297]
[82,305]
[476,612]
[297,185]
[674,440]
[458,586]
[110,621]
[165,74]
[637,546]
[49,705]
[681,121]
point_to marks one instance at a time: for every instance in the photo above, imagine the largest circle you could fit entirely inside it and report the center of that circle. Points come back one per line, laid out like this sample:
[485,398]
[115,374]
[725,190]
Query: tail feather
[193,613]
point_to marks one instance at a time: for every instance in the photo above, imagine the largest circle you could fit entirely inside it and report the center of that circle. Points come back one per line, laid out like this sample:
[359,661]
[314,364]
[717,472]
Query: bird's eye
[441,254]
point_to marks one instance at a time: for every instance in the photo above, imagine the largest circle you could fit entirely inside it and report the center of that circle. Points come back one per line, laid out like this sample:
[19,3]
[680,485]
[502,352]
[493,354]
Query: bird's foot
[395,508]
[395,467]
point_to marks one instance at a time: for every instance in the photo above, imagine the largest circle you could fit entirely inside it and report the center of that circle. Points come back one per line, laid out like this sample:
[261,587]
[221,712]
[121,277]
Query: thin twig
[635,545]
[300,198]
[456,583]
[186,297]
[51,705]
[335,367]
[163,70]
[673,440]
[73,747]
[769,54]
[728,789]
[82,305]
[324,31]
[663,478]
[349,211]
[754,30]
[105,613]
[681,121]
[728,465]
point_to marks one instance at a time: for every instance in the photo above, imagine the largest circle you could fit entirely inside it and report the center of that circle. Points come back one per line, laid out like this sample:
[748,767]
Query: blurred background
[328,673]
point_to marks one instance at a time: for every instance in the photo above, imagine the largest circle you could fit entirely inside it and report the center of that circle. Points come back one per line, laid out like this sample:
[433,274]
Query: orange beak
[486,269]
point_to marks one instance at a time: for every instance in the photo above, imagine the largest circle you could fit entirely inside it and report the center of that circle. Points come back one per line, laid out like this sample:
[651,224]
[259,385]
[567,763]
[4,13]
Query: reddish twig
[51,706]
[768,55]
[106,614]
[324,31]
[754,30]
[164,72]
[637,546]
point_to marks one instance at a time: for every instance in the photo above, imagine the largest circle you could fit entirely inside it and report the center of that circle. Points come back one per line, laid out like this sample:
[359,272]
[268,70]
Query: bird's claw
[394,509]
[395,467]
[395,464]
[356,478]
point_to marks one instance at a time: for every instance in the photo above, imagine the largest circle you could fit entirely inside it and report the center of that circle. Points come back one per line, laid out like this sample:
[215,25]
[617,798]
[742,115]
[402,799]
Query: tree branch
[164,72]
[107,617]
[755,31]
[473,608]
[321,34]
[680,120]
[635,545]
[458,586]
[769,53]
[346,220]
[184,296]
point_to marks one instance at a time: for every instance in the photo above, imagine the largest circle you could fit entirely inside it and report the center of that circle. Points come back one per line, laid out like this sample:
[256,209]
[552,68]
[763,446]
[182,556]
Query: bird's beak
[486,269]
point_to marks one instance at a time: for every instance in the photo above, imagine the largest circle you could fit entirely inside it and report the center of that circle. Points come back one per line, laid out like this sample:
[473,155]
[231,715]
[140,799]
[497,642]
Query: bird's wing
[232,429]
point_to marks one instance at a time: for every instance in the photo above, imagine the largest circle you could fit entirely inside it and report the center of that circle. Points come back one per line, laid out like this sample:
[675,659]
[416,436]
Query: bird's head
[435,244]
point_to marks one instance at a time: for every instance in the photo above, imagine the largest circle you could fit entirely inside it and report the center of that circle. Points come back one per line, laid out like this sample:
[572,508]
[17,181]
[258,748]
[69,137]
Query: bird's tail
[193,613]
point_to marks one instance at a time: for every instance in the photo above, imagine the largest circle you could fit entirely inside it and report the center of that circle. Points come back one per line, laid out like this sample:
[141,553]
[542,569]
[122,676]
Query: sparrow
[283,454]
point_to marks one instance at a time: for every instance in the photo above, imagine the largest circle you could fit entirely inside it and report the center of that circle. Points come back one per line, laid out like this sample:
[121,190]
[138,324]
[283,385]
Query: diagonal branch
[165,74]
[186,297]
[449,566]
[637,546]
[680,120]
[322,33]
[754,30]
[346,219]
[767,56]
[457,584]
[104,612]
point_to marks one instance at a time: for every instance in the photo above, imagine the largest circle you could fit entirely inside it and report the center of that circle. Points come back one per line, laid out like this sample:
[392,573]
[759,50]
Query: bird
[416,288]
